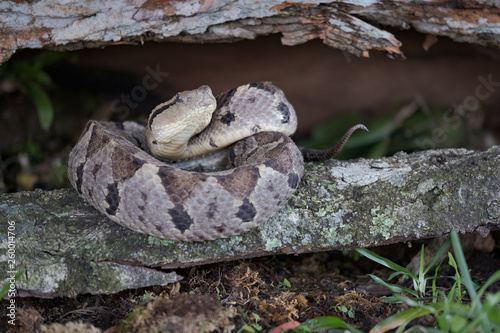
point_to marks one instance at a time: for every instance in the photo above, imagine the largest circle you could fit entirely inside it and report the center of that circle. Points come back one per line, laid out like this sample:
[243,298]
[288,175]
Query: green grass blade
[393,287]
[385,262]
[466,279]
[439,254]
[462,264]
[393,275]
[443,319]
[4,289]
[434,288]
[390,300]
[473,326]
[421,274]
[492,279]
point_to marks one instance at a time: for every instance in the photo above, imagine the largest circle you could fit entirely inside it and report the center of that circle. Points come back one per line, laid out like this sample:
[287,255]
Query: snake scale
[247,128]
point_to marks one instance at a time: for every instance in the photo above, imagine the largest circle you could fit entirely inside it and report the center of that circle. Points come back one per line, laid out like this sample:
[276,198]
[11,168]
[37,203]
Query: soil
[227,295]
[265,292]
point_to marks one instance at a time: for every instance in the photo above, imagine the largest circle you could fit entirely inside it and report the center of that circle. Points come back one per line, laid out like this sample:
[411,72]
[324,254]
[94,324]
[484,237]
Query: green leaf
[457,323]
[247,328]
[325,323]
[492,307]
[400,319]
[421,274]
[42,103]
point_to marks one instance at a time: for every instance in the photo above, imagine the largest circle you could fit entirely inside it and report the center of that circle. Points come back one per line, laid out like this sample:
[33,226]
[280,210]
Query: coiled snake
[112,169]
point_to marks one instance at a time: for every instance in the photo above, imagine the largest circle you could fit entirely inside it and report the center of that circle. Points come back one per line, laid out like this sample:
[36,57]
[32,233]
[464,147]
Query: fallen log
[354,27]
[66,247]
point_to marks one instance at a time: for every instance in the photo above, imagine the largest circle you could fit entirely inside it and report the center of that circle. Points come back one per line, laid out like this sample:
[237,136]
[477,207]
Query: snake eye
[154,142]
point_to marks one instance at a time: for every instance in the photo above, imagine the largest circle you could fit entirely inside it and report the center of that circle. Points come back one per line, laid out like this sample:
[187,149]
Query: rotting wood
[68,248]
[354,27]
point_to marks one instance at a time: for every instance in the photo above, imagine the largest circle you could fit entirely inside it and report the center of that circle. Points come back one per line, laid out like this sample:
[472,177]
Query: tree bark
[354,28]
[66,247]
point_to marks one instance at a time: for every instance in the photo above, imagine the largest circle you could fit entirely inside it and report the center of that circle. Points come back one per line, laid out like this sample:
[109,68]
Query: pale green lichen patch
[272,244]
[381,223]
[235,243]
[426,186]
[152,240]
[321,212]
[346,239]
[283,227]
[332,234]
[287,227]
[323,192]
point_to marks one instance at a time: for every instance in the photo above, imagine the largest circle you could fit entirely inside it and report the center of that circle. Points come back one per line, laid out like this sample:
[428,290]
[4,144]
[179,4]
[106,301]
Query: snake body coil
[111,168]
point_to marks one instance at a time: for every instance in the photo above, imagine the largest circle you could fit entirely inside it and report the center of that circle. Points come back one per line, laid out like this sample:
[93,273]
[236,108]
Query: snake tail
[322,155]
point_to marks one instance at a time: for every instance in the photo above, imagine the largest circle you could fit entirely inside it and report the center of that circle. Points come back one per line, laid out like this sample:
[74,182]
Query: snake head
[173,123]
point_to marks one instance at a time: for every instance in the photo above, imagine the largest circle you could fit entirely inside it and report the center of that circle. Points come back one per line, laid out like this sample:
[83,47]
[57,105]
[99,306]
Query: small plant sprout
[344,310]
[253,326]
[284,285]
[147,297]
[219,294]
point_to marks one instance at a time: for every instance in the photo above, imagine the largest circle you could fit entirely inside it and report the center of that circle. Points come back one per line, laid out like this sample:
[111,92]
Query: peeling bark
[67,247]
[346,25]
